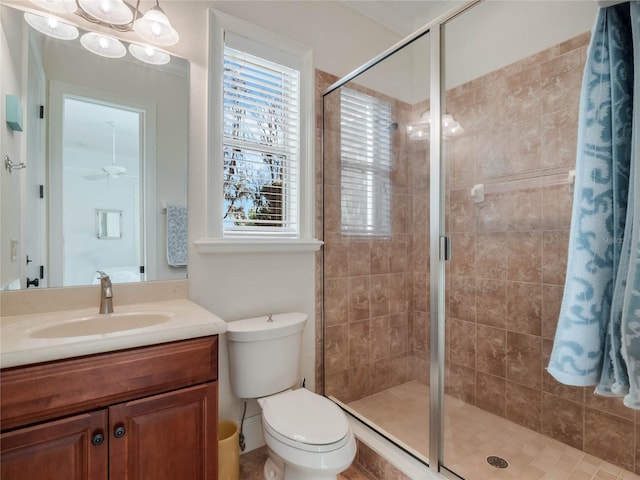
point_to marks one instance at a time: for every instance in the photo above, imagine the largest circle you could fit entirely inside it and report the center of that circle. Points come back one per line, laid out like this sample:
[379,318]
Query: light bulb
[148,54]
[105,7]
[103,45]
[52,22]
[156,29]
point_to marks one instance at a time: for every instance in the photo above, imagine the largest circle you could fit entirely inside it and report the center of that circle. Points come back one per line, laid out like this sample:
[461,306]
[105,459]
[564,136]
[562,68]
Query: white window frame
[248,138]
[274,47]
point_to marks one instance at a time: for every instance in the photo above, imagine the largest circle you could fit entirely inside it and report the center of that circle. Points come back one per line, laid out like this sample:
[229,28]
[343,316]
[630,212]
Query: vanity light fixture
[52,26]
[154,26]
[420,130]
[148,54]
[103,45]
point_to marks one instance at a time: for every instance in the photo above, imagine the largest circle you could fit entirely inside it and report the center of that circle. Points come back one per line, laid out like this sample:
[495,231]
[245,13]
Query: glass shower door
[512,95]
[376,252]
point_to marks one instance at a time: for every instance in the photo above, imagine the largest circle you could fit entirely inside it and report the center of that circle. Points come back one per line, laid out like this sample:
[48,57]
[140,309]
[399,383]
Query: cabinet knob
[97,439]
[119,432]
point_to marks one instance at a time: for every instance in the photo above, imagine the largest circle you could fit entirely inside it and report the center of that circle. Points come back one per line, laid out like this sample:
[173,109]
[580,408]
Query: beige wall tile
[562,420]
[524,308]
[524,359]
[491,350]
[523,405]
[609,437]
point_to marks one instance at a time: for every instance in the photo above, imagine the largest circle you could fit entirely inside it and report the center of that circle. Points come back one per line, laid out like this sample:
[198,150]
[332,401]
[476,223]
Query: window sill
[255,245]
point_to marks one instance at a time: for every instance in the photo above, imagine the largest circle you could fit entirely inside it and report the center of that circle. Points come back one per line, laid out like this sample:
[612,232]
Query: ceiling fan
[111,170]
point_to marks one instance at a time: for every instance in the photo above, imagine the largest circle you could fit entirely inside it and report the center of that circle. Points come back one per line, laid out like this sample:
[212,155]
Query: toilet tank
[264,355]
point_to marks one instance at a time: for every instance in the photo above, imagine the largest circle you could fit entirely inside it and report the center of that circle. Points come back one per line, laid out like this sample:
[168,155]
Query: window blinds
[261,122]
[366,164]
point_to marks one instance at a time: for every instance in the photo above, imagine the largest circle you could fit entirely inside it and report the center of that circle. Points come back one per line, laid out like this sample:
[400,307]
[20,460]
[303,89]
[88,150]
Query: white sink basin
[100,324]
[41,337]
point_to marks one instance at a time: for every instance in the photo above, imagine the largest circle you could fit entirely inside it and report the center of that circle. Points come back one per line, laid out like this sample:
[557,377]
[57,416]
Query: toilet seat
[307,447]
[305,420]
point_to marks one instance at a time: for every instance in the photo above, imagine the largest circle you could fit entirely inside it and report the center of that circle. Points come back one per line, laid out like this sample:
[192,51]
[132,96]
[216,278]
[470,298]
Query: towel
[176,235]
[597,340]
[631,249]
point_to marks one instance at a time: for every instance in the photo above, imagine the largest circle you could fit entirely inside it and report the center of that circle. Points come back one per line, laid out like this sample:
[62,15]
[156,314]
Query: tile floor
[471,435]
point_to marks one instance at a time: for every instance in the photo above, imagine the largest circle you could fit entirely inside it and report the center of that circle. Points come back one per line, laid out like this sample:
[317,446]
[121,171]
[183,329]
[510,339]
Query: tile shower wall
[506,278]
[374,338]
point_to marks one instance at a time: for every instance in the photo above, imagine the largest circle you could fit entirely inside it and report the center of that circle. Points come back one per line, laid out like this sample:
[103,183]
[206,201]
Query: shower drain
[497,462]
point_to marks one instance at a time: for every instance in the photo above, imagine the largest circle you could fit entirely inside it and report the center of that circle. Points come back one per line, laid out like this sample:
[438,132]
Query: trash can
[228,451]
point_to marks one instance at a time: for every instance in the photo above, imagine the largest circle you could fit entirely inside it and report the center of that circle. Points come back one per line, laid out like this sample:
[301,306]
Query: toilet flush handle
[270,319]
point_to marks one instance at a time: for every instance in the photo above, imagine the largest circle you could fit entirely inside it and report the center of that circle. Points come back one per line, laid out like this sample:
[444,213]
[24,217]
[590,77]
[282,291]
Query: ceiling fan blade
[96,176]
[114,170]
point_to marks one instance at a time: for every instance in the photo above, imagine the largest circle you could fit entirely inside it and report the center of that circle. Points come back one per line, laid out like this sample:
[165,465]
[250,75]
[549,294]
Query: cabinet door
[166,437]
[60,450]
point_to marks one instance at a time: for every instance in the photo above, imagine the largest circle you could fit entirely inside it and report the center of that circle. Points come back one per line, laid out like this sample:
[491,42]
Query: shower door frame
[439,243]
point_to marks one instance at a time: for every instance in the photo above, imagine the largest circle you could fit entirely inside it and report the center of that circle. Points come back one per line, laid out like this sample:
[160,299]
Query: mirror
[105,143]
[109,224]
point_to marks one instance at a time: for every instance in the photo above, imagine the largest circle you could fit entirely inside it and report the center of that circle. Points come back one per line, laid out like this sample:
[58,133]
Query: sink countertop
[19,347]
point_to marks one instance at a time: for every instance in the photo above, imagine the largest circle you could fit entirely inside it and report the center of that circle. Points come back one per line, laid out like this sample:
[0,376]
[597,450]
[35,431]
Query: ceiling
[402,16]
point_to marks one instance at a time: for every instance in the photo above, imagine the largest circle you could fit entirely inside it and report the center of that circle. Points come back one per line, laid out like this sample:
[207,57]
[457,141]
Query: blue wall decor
[14,113]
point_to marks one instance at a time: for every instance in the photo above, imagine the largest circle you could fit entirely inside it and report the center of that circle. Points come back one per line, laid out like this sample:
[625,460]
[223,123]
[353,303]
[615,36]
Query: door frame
[58,92]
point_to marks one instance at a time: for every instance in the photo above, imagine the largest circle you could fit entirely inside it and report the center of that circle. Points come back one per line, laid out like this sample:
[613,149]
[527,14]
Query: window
[261,123]
[261,145]
[366,164]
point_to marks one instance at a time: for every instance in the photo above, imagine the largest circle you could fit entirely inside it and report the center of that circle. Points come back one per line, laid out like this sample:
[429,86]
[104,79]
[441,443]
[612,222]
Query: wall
[13,145]
[537,26]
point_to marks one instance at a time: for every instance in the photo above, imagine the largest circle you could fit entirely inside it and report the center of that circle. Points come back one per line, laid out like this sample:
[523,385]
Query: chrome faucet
[106,293]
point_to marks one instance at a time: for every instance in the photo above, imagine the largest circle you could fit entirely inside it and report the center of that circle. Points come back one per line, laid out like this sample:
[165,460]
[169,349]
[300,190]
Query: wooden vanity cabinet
[165,437]
[56,450]
[170,434]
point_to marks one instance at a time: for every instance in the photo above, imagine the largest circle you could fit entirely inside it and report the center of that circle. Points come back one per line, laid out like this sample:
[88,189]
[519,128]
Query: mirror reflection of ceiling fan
[111,170]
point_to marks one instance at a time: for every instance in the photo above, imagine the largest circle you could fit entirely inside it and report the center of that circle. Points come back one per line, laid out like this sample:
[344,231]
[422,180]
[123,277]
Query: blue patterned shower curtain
[598,335]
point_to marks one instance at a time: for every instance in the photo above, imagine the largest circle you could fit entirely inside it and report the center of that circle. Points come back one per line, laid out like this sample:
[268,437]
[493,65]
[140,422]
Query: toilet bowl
[307,435]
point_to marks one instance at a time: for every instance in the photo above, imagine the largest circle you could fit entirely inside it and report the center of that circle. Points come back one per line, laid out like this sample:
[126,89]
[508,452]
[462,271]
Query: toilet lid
[305,417]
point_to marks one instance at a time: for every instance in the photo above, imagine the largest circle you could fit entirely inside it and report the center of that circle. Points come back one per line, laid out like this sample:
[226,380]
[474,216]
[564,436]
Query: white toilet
[307,435]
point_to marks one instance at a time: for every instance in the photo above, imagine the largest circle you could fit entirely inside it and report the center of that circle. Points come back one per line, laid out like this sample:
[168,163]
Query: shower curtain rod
[478,191]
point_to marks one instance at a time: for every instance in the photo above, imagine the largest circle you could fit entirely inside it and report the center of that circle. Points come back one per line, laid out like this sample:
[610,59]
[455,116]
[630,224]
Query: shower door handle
[445,249]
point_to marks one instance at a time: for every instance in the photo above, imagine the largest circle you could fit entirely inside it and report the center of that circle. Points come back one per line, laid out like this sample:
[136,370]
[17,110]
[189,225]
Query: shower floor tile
[472,435]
